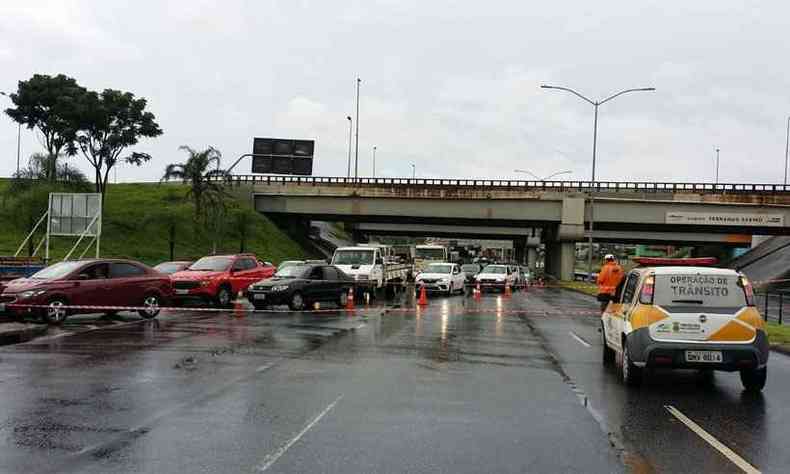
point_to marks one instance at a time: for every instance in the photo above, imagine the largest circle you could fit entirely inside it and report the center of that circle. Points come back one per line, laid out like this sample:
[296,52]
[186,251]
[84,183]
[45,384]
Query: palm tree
[202,173]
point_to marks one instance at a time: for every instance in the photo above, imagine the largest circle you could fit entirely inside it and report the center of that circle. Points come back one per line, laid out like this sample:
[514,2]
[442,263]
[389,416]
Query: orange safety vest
[609,278]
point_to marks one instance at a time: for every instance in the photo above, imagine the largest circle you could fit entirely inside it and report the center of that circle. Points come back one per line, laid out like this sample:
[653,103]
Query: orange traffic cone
[350,300]
[508,291]
[476,292]
[423,301]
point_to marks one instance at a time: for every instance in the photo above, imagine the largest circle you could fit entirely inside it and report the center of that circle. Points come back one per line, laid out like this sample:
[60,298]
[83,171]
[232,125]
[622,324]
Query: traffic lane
[755,427]
[443,388]
[66,400]
[454,387]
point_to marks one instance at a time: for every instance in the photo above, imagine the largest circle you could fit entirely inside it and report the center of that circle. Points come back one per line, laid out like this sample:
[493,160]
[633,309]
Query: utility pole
[787,147]
[356,146]
[717,165]
[374,161]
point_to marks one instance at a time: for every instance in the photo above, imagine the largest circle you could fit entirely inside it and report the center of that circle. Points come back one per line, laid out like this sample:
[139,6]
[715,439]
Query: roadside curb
[14,333]
[781,348]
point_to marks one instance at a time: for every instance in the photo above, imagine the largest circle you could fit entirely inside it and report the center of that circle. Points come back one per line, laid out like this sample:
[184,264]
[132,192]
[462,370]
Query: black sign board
[282,156]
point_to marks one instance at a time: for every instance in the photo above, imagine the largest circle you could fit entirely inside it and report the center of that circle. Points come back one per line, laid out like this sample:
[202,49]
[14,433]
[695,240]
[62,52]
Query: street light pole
[356,146]
[717,165]
[374,161]
[787,147]
[350,129]
[413,171]
[595,104]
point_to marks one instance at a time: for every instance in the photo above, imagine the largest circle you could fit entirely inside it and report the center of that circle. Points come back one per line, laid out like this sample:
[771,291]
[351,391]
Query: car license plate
[704,356]
[182,292]
[259,296]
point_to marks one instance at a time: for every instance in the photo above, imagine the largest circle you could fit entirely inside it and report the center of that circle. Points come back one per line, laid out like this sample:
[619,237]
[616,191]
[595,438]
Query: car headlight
[31,294]
[444,280]
[205,283]
[500,279]
[280,288]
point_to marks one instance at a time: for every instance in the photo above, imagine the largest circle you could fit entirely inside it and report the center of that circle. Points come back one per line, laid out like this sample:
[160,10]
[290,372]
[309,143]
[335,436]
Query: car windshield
[58,270]
[430,253]
[168,267]
[291,271]
[699,290]
[288,263]
[212,264]
[353,257]
[437,268]
[470,268]
[495,269]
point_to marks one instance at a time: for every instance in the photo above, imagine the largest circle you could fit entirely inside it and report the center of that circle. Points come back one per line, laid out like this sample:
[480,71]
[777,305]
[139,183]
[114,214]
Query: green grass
[778,334]
[580,286]
[136,221]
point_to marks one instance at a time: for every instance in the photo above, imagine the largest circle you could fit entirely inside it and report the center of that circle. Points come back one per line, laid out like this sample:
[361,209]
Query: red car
[219,278]
[168,268]
[87,283]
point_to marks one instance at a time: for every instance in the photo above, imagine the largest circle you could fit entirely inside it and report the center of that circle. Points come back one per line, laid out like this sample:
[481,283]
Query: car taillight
[748,289]
[648,290]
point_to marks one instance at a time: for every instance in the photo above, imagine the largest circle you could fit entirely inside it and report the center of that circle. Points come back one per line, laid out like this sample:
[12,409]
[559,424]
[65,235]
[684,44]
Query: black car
[300,286]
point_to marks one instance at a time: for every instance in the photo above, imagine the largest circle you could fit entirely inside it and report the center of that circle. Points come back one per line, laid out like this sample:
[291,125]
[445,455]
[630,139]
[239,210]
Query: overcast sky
[450,86]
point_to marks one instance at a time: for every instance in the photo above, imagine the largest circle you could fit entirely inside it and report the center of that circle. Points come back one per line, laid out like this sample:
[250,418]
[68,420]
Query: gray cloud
[451,86]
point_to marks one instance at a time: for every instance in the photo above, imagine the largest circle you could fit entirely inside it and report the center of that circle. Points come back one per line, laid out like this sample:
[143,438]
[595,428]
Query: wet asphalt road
[460,386]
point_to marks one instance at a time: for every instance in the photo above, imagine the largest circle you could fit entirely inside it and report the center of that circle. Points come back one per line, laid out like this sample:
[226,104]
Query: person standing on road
[609,278]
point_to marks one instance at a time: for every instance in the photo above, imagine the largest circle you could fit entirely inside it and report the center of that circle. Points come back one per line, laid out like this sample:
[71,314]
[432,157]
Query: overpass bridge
[558,212]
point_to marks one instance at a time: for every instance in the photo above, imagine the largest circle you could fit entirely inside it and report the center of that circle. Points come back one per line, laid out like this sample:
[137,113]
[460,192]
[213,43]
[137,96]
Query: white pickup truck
[370,269]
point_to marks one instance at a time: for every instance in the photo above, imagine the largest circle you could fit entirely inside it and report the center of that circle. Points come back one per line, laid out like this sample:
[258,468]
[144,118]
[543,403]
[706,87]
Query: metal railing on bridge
[514,185]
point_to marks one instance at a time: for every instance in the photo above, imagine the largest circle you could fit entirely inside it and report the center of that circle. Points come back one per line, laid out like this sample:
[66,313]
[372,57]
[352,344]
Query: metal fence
[774,306]
[515,185]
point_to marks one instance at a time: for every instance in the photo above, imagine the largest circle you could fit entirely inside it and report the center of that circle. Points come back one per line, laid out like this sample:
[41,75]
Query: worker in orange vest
[609,278]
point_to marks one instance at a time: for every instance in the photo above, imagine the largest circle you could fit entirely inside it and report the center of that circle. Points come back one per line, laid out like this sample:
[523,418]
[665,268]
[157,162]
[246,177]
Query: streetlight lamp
[546,178]
[19,137]
[350,128]
[595,104]
[374,161]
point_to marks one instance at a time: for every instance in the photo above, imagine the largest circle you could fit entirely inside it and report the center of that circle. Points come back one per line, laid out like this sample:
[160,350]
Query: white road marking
[272,458]
[727,452]
[581,341]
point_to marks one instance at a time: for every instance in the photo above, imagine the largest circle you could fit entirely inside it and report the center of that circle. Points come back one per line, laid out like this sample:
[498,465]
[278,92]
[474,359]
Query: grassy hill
[137,221]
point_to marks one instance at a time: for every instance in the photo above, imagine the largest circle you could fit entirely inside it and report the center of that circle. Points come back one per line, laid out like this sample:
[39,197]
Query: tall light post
[595,104]
[413,171]
[374,161]
[717,166]
[19,139]
[787,147]
[356,146]
[350,129]
[545,178]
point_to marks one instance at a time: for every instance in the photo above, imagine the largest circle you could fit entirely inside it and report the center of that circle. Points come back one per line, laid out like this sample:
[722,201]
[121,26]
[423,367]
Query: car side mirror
[83,276]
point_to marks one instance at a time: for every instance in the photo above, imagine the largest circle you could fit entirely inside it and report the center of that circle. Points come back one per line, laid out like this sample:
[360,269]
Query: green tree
[38,167]
[49,104]
[202,174]
[109,123]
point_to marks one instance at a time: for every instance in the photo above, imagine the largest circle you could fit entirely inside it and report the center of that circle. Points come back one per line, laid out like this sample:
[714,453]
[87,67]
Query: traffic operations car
[87,283]
[495,277]
[219,278]
[441,277]
[673,313]
[471,270]
[368,267]
[168,268]
[299,286]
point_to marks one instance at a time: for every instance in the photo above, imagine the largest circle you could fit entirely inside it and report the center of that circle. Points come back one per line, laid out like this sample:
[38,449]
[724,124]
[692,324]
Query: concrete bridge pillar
[561,241]
[561,259]
[532,259]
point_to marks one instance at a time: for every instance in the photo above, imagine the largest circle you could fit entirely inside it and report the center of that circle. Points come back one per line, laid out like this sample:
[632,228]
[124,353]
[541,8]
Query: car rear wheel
[297,302]
[632,375]
[55,313]
[753,380]
[223,298]
[151,303]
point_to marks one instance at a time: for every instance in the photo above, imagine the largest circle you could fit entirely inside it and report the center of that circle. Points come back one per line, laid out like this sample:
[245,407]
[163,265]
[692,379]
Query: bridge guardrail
[581,186]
